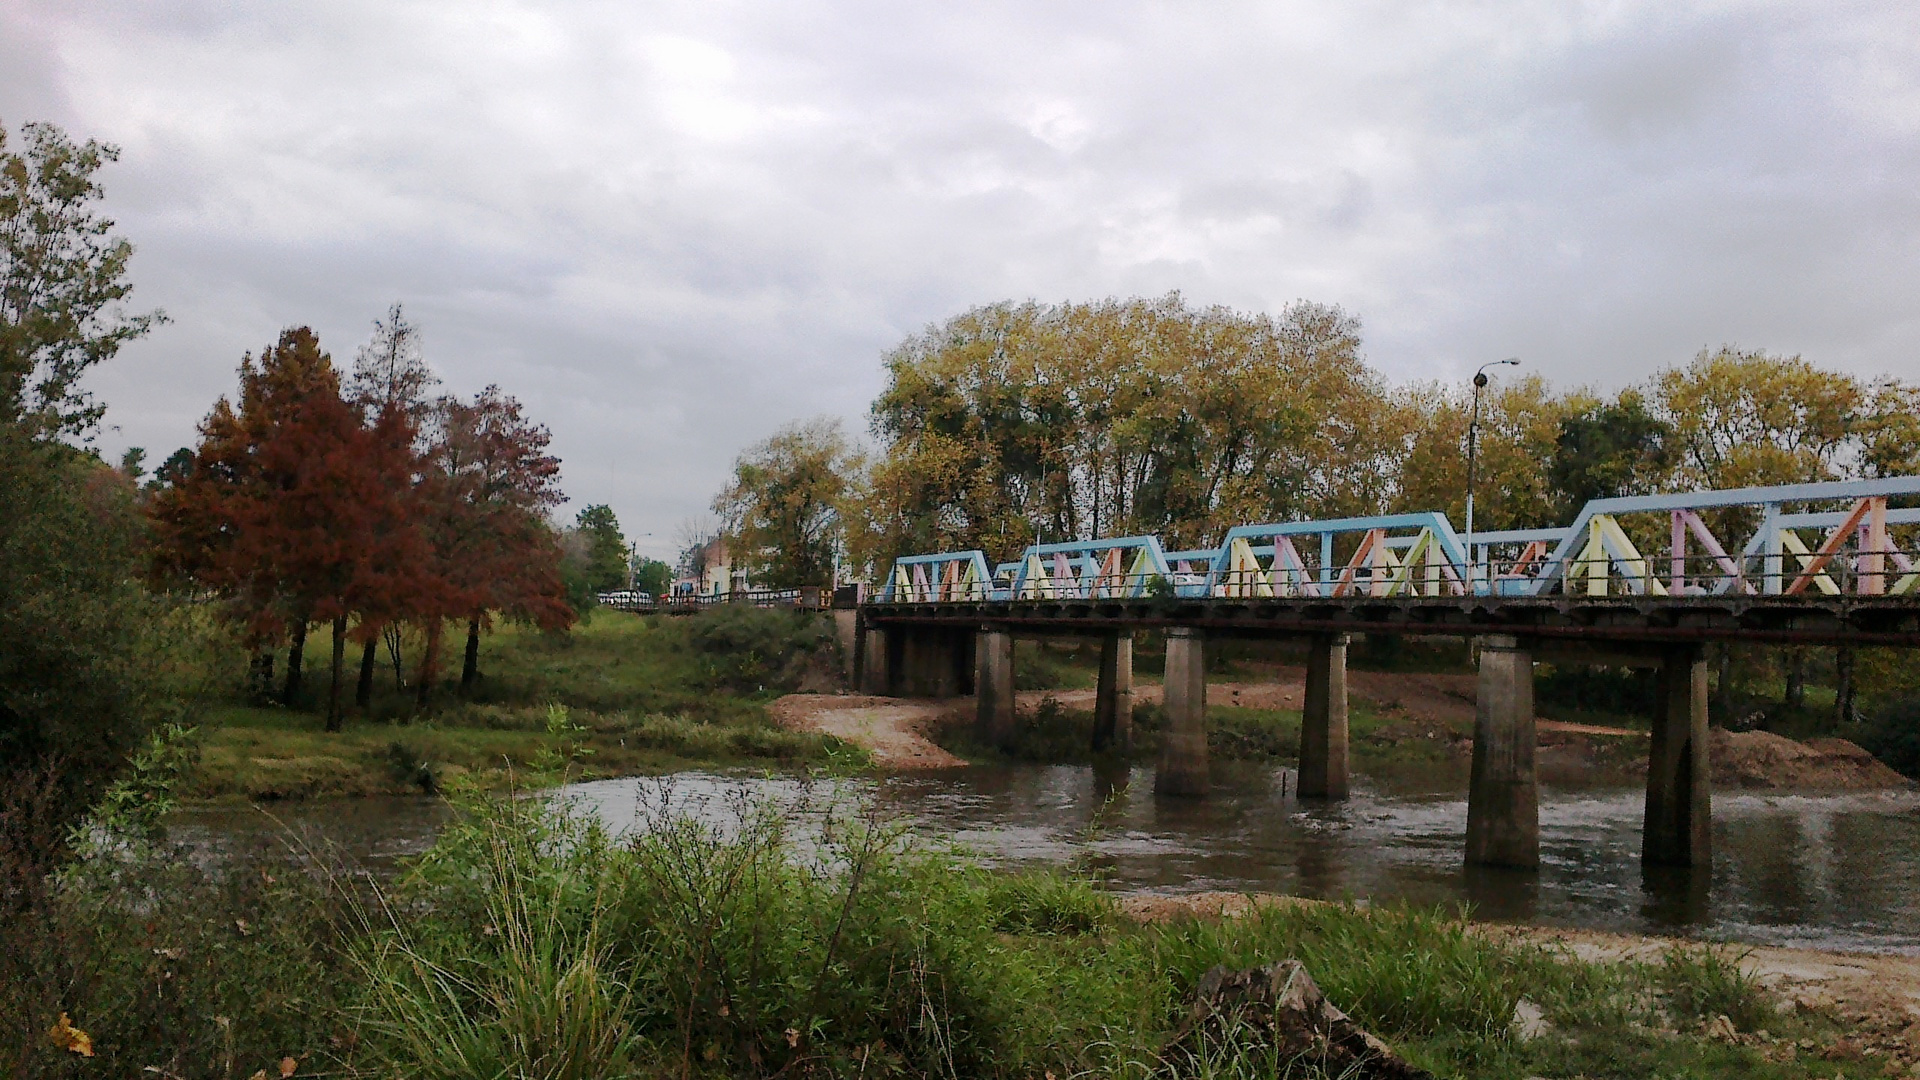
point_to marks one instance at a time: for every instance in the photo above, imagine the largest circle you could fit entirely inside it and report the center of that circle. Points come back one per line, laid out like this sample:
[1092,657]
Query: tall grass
[740,940]
[744,944]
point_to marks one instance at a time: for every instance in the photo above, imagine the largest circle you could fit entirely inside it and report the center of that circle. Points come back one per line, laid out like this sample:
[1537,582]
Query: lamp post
[1473,433]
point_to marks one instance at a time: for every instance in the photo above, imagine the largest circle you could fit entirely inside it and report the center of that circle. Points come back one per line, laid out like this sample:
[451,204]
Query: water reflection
[1836,871]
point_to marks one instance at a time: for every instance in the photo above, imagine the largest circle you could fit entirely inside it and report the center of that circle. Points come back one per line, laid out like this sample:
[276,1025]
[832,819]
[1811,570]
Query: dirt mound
[1761,759]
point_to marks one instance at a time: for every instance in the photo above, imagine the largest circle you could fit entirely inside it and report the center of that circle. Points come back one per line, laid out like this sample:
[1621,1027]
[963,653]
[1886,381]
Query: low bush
[1892,734]
[749,649]
[171,969]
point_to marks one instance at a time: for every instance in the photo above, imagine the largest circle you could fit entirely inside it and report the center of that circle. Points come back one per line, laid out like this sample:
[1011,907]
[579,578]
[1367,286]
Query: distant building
[716,573]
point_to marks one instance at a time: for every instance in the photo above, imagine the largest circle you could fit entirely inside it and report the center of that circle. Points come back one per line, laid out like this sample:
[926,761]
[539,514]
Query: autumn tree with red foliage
[488,484]
[364,510]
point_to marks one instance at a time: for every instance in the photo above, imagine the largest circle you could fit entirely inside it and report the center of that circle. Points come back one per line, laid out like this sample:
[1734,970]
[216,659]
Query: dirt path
[893,730]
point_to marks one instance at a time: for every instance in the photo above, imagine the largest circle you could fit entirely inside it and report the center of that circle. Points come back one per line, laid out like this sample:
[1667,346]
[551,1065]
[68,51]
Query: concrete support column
[1183,734]
[1678,829]
[932,662]
[874,675]
[1323,721]
[1503,801]
[1113,702]
[846,631]
[993,686]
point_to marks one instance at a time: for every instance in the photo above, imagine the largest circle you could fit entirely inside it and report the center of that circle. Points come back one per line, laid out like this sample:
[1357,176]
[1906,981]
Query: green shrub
[749,649]
[1892,734]
[173,969]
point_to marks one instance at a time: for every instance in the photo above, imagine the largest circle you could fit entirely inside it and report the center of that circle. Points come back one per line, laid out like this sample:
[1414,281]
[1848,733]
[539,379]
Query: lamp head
[1479,378]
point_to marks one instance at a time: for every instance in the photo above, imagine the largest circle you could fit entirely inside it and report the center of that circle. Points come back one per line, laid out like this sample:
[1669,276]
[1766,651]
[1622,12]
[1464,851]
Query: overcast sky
[672,228]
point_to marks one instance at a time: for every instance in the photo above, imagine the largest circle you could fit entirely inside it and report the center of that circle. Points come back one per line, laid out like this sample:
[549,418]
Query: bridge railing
[1836,538]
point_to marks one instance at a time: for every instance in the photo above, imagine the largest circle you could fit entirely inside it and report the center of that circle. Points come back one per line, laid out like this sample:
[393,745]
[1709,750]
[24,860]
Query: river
[1832,871]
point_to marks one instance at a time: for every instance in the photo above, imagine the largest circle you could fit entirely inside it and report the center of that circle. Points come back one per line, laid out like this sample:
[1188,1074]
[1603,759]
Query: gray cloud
[671,228]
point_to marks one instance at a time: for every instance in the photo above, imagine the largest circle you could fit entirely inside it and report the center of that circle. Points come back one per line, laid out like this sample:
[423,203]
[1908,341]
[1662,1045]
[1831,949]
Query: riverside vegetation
[809,941]
[618,694]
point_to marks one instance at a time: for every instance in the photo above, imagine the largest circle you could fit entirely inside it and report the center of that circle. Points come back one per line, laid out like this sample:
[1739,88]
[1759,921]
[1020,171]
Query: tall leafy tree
[1010,423]
[1744,417]
[1608,450]
[63,277]
[390,384]
[489,483]
[785,504]
[79,685]
[296,508]
[605,548]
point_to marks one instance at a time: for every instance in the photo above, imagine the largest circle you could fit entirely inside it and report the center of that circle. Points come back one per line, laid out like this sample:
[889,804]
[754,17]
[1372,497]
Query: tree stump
[1280,1004]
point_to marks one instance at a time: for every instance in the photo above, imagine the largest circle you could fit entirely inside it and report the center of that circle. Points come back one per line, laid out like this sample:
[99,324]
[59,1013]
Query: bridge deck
[1813,620]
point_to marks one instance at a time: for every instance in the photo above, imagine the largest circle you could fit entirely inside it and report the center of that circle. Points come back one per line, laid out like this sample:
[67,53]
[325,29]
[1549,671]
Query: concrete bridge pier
[1113,701]
[1503,797]
[993,686]
[935,662]
[1323,720]
[1678,828]
[1183,734]
[874,676]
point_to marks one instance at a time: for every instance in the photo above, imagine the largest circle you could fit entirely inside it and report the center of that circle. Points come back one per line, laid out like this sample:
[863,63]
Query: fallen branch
[1280,1004]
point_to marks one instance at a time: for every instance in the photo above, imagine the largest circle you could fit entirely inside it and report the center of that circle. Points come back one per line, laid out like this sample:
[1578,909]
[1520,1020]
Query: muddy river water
[1835,871]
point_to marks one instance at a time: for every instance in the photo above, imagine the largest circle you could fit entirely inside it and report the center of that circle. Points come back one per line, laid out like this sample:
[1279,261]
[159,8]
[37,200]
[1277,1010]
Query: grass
[813,942]
[640,695]
[693,951]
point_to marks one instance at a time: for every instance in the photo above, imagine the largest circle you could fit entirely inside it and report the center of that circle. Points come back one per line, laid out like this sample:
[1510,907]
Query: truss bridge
[1642,581]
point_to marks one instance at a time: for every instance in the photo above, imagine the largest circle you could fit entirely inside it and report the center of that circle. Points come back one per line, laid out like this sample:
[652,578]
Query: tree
[80,678]
[489,484]
[1608,450]
[606,548]
[1011,423]
[295,508]
[1520,419]
[62,279]
[390,384]
[1743,418]
[652,576]
[785,504]
[80,681]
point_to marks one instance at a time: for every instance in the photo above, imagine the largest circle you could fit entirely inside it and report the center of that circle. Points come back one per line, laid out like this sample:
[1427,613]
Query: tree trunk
[470,669]
[260,678]
[1843,684]
[339,663]
[429,661]
[295,652]
[392,634]
[1796,694]
[369,653]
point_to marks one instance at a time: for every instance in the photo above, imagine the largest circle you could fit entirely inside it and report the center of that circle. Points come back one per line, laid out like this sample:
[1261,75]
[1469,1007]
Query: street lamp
[1473,432]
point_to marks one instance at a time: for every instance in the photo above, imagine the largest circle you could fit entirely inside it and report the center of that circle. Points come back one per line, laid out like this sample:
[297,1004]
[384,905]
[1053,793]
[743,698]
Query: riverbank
[763,947]
[1866,1007]
[619,695]
[1399,722]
